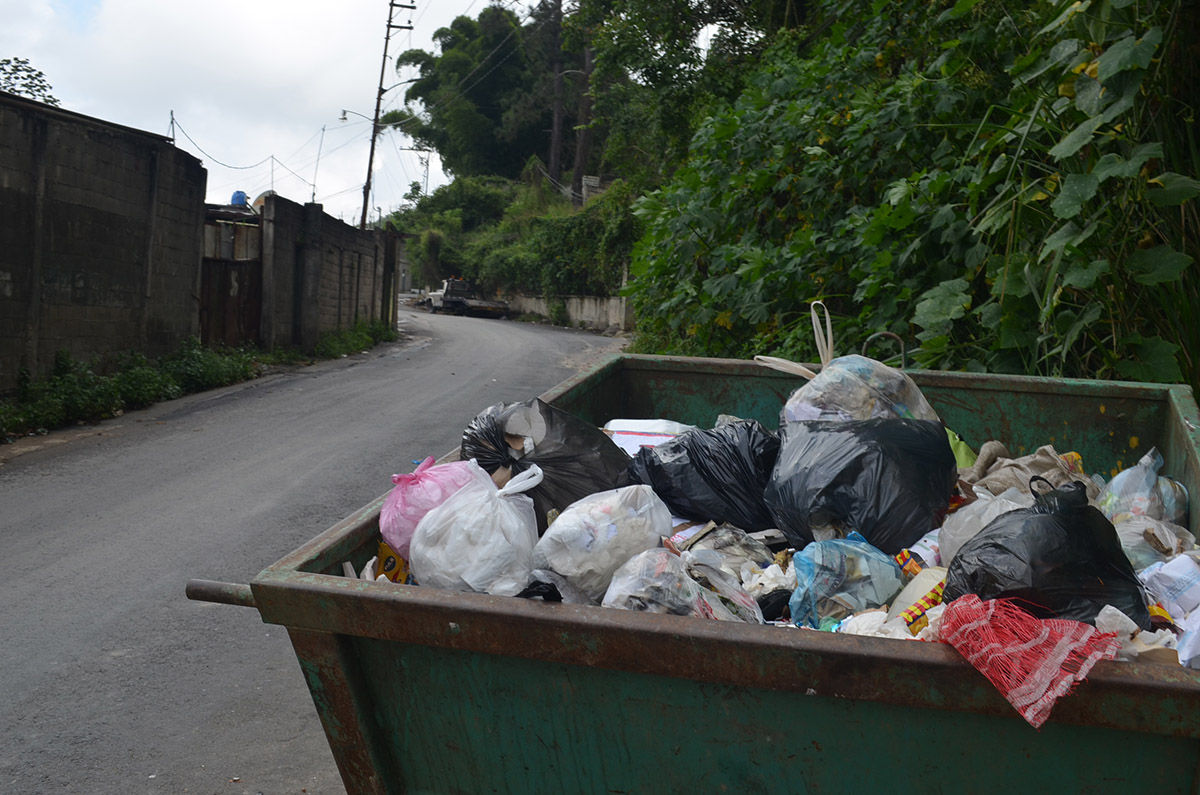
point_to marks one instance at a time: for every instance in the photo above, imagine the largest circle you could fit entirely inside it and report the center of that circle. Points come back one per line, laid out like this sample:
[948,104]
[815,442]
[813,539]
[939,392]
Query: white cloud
[247,81]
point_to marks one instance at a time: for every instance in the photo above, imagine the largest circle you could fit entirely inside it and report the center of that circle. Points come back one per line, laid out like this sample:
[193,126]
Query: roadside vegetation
[1007,186]
[78,392]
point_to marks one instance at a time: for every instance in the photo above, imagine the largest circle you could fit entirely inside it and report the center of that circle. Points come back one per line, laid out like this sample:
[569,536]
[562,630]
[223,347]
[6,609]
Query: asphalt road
[111,681]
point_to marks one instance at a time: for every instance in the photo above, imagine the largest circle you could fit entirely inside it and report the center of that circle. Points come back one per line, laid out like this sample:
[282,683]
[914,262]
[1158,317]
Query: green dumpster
[427,691]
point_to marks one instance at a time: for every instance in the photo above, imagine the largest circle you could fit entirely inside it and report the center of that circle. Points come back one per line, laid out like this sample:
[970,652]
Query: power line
[175,121]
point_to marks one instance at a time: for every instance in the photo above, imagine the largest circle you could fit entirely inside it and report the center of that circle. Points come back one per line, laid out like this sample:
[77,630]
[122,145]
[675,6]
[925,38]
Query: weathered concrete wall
[583,310]
[320,274]
[100,235]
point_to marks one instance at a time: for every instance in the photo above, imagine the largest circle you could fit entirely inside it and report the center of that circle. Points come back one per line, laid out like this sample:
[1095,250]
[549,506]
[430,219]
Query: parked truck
[460,297]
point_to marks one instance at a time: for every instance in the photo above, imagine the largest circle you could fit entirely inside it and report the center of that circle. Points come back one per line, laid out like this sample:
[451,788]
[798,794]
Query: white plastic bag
[480,539]
[1146,541]
[594,536]
[962,525]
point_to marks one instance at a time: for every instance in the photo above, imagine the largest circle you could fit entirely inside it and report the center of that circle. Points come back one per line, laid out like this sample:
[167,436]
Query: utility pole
[387,37]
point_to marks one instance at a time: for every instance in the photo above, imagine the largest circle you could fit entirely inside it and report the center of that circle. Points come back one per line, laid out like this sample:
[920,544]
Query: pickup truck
[460,297]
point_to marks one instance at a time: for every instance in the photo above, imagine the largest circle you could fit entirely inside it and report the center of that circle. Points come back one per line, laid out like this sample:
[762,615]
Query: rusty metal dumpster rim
[1120,696]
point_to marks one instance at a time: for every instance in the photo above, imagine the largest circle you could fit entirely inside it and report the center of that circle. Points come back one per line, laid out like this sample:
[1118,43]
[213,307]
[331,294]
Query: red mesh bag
[1032,661]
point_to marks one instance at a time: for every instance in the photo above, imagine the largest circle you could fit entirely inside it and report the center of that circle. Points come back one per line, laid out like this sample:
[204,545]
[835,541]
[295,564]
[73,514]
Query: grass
[77,392]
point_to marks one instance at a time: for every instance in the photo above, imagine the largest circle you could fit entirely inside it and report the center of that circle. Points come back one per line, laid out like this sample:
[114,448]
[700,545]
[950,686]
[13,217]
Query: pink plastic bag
[415,495]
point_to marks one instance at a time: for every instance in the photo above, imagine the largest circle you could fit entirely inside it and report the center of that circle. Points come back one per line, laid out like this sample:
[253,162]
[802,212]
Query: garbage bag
[840,577]
[888,479]
[1141,491]
[857,388]
[716,474]
[735,546]
[657,581]
[706,567]
[1147,541]
[997,471]
[480,539]
[593,537]
[1175,584]
[967,521]
[576,458]
[415,495]
[1059,559]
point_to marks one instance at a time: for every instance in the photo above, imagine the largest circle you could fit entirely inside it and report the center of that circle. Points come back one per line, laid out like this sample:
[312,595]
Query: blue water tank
[239,197]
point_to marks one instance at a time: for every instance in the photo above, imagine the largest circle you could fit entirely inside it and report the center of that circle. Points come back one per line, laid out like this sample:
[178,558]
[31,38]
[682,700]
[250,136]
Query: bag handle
[784,366]
[824,341]
[523,482]
[411,476]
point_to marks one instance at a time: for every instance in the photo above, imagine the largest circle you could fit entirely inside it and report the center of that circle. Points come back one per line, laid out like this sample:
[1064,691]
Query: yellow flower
[725,320]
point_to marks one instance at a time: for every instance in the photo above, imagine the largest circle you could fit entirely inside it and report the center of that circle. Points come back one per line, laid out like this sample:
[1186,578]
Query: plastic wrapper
[576,459]
[416,494]
[1175,584]
[705,567]
[1156,646]
[857,388]
[1147,541]
[716,474]
[1189,642]
[1141,491]
[1059,559]
[657,581]
[963,524]
[593,537]
[480,539]
[736,547]
[838,578]
[888,479]
[921,593]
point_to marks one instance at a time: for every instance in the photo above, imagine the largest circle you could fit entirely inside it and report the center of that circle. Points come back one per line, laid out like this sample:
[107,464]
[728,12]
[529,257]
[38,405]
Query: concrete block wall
[100,233]
[319,274]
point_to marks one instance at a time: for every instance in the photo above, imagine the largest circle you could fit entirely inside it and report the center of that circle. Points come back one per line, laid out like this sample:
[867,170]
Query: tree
[18,77]
[486,102]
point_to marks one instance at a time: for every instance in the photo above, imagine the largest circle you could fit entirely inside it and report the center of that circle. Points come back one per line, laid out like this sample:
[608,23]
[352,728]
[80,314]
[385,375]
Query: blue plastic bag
[841,577]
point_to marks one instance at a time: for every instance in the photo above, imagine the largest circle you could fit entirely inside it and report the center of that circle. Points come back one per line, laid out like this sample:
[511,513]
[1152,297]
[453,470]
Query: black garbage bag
[576,458]
[889,479]
[1059,559]
[717,474]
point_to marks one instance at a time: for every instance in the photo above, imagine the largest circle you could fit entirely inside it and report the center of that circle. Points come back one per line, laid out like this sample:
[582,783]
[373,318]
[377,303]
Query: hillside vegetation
[1010,187]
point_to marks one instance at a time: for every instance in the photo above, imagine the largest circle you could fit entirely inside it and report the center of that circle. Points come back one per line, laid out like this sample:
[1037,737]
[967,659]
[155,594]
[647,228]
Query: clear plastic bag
[593,537]
[416,494]
[658,581]
[1147,541]
[857,388]
[841,577]
[1140,491]
[705,567]
[480,539]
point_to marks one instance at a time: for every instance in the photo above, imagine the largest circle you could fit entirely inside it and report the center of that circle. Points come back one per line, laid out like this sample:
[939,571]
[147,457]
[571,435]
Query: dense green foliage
[1013,185]
[536,244]
[487,96]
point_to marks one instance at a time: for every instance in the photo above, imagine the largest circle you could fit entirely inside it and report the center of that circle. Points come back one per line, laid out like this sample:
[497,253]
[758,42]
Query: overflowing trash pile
[862,514]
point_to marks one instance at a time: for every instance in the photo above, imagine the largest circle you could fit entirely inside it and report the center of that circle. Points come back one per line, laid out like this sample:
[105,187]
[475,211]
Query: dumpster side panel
[460,722]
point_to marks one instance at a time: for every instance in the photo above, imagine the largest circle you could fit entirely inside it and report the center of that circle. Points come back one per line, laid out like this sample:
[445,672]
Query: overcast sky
[251,84]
